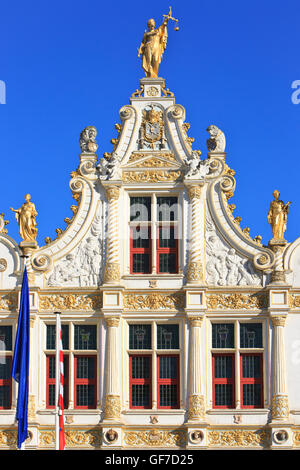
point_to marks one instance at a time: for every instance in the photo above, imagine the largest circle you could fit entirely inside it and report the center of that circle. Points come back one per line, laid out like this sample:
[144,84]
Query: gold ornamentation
[25,216]
[189,140]
[3,265]
[236,301]
[8,437]
[195,271]
[138,93]
[112,193]
[228,170]
[31,407]
[112,272]
[196,407]
[153,45]
[138,155]
[155,438]
[278,321]
[195,321]
[152,91]
[239,438]
[8,302]
[152,163]
[151,176]
[277,216]
[152,126]
[194,192]
[85,302]
[73,438]
[112,408]
[294,301]
[2,224]
[280,407]
[296,437]
[154,301]
[112,321]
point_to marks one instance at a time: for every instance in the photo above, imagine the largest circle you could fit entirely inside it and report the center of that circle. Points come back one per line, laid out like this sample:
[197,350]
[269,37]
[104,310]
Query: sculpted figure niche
[25,216]
[154,44]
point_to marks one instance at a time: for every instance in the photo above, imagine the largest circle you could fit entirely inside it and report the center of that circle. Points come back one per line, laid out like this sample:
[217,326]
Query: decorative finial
[87,140]
[26,219]
[154,44]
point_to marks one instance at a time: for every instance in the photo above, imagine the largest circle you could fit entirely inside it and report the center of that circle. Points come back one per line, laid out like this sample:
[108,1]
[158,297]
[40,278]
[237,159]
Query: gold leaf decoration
[85,302]
[155,438]
[239,438]
[236,301]
[151,176]
[154,301]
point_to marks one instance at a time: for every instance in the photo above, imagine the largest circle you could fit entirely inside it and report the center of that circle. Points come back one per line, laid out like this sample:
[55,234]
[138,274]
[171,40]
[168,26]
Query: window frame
[8,355]
[251,380]
[154,224]
[223,381]
[85,381]
[140,381]
[51,381]
[168,381]
[237,351]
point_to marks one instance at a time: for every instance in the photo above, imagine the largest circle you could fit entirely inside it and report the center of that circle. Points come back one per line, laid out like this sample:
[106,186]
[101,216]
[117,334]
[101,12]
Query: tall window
[154,366]
[80,365]
[5,367]
[154,234]
[237,365]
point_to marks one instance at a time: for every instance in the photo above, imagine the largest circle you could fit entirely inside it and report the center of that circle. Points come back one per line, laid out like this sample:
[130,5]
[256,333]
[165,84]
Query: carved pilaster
[195,268]
[112,407]
[112,267]
[280,402]
[196,406]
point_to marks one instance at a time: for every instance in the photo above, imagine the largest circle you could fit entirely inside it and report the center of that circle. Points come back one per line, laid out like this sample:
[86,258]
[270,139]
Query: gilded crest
[152,129]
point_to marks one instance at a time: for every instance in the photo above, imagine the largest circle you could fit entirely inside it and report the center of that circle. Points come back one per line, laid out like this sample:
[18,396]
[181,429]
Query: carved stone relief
[152,130]
[83,266]
[224,266]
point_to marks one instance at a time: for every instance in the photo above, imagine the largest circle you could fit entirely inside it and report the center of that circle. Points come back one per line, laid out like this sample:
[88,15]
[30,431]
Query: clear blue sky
[68,64]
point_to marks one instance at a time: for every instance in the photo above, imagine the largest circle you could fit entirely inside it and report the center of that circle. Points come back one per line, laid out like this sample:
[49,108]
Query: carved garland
[84,302]
[239,438]
[73,437]
[236,301]
[9,302]
[155,438]
[152,176]
[154,301]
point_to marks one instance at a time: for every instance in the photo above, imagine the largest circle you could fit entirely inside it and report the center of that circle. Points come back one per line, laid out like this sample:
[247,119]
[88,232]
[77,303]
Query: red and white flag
[60,429]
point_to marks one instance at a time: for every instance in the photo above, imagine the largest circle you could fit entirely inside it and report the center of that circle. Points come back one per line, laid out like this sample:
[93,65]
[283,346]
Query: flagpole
[57,381]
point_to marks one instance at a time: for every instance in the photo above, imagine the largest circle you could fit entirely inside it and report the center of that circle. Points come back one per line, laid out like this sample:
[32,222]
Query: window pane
[167,337]
[139,336]
[167,367]
[140,263]
[140,237]
[51,336]
[168,395]
[223,395]
[167,263]
[251,366]
[85,368]
[4,396]
[5,338]
[167,237]
[140,367]
[140,209]
[167,208]
[85,337]
[85,395]
[140,395]
[51,395]
[252,395]
[223,335]
[223,367]
[5,368]
[251,335]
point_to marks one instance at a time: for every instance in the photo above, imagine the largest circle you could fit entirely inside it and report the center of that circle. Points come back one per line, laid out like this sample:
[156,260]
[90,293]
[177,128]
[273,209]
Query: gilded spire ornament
[277,216]
[25,216]
[154,44]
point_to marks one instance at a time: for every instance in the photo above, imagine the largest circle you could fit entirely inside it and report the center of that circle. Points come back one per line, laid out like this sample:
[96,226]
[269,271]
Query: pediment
[152,160]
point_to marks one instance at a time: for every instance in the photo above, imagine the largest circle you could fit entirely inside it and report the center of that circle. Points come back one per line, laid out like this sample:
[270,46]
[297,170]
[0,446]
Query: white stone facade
[222,276]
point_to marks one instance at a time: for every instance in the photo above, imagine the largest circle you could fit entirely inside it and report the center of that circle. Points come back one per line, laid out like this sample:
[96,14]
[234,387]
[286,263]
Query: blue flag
[20,365]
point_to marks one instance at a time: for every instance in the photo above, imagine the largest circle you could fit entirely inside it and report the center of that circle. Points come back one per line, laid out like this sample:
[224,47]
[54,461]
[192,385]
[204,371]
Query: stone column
[280,402]
[196,411]
[195,270]
[112,267]
[112,408]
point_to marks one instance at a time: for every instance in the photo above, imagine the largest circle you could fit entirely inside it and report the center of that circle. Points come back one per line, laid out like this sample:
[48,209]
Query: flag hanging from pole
[20,364]
[60,385]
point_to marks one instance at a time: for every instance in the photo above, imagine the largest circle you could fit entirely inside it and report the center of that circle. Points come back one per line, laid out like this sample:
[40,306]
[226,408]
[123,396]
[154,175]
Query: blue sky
[68,64]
